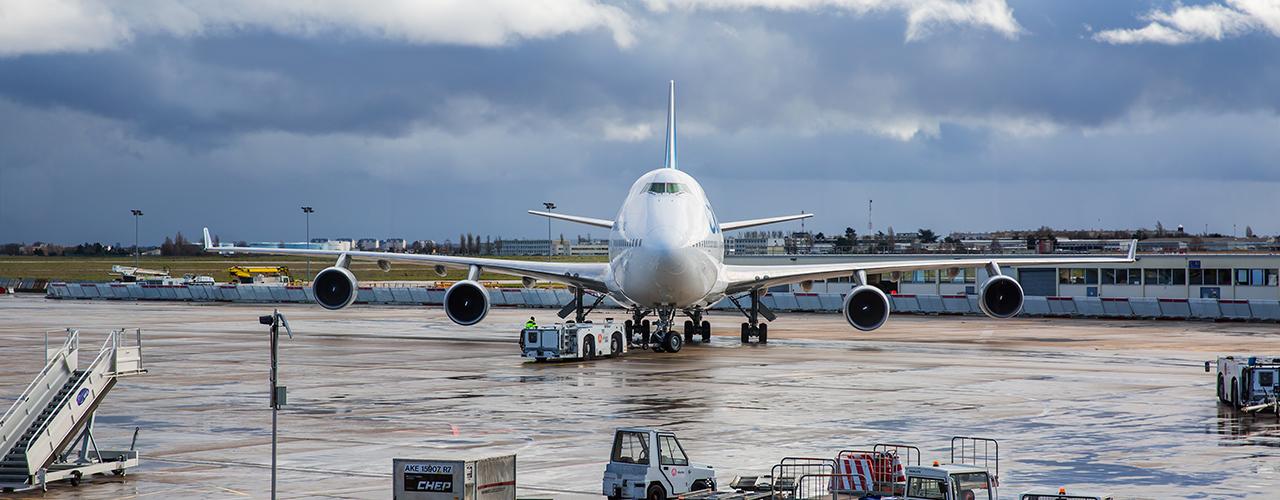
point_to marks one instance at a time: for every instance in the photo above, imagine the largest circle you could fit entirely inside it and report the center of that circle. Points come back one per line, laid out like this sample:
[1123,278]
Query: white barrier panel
[1089,306]
[1266,310]
[1174,308]
[1235,309]
[563,297]
[309,295]
[513,297]
[435,296]
[1062,306]
[808,302]
[956,304]
[118,291]
[365,295]
[228,292]
[382,295]
[931,304]
[182,292]
[1116,306]
[296,294]
[531,298]
[90,290]
[548,298]
[783,301]
[496,298]
[905,303]
[1204,308]
[418,295]
[831,302]
[1145,307]
[150,292]
[401,295]
[1035,305]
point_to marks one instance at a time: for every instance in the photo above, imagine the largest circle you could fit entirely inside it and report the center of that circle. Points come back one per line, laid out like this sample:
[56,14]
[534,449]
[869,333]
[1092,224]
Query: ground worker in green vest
[531,324]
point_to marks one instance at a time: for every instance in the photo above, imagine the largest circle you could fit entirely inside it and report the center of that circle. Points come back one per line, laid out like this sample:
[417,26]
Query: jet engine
[466,302]
[334,288]
[866,308]
[1001,297]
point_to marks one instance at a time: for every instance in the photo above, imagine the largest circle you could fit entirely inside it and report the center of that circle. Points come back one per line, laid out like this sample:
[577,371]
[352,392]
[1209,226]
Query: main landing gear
[661,334]
[753,327]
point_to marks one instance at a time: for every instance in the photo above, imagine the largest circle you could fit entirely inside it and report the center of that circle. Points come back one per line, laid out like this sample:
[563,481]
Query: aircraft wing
[589,276]
[590,221]
[743,224]
[744,278]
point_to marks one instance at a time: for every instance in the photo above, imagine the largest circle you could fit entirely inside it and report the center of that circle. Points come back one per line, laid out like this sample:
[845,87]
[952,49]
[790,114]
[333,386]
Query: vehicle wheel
[1222,392]
[628,327]
[644,326]
[589,348]
[746,333]
[1235,395]
[699,485]
[706,332]
[75,478]
[615,350]
[688,331]
[764,333]
[656,493]
[673,342]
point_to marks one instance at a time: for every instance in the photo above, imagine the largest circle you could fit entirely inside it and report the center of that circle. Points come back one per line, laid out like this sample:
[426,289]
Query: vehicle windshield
[631,447]
[667,188]
[920,487]
[670,453]
[972,486]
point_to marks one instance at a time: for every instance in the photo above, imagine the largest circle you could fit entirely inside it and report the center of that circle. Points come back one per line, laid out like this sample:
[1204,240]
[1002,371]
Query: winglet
[671,127]
[208,242]
[1133,250]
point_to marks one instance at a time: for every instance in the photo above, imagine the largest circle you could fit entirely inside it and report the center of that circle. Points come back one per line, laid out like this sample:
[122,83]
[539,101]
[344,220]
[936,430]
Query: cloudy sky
[423,119]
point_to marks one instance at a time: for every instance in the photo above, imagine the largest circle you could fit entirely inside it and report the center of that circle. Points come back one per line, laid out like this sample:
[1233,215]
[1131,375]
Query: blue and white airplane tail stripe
[671,128]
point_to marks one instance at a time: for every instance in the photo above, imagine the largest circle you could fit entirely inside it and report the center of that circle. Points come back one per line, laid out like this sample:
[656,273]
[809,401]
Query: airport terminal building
[1172,276]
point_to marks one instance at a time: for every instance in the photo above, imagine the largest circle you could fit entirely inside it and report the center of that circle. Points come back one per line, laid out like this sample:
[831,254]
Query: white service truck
[1249,383]
[572,340]
[651,464]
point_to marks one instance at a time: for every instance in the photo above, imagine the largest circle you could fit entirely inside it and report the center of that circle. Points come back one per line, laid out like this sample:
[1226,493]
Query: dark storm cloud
[390,138]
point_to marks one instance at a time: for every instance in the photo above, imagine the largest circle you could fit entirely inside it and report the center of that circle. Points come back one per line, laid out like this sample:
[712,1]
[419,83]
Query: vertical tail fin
[671,127]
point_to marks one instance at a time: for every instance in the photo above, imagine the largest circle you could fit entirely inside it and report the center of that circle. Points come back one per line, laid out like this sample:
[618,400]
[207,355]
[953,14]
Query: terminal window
[1256,277]
[922,276]
[1122,276]
[1211,277]
[954,275]
[1077,276]
[1165,276]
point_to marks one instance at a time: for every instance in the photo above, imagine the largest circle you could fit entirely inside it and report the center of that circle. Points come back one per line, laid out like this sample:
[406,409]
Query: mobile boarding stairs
[39,433]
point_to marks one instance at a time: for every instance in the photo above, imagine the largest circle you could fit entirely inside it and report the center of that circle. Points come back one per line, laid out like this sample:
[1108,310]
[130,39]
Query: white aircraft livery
[666,257]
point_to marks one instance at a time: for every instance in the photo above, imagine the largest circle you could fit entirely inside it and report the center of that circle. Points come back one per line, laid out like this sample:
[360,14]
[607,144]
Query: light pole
[551,246]
[278,392]
[136,215]
[308,211]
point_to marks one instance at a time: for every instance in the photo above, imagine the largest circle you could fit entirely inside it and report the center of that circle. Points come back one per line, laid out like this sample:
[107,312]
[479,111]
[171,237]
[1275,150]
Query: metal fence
[1086,307]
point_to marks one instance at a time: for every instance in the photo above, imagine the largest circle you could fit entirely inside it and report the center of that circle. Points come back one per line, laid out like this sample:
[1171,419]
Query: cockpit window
[667,188]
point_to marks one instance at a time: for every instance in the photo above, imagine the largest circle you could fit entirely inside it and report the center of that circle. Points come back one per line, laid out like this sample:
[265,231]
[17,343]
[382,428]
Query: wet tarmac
[1117,406]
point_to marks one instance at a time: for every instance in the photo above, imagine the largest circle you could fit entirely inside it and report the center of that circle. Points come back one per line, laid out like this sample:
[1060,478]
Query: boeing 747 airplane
[666,257]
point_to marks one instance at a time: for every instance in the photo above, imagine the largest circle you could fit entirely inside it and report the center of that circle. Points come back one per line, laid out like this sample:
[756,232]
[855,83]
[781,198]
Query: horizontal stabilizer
[743,224]
[607,224]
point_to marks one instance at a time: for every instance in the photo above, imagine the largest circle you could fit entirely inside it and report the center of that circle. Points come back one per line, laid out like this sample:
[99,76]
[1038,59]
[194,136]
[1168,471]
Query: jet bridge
[40,432]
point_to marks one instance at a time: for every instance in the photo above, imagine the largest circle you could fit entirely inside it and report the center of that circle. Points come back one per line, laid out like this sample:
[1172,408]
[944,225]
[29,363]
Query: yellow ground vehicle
[259,275]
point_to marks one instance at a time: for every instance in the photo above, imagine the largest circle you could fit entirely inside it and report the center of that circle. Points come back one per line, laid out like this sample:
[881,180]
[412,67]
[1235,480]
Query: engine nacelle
[866,308]
[1001,297]
[466,302]
[334,288]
